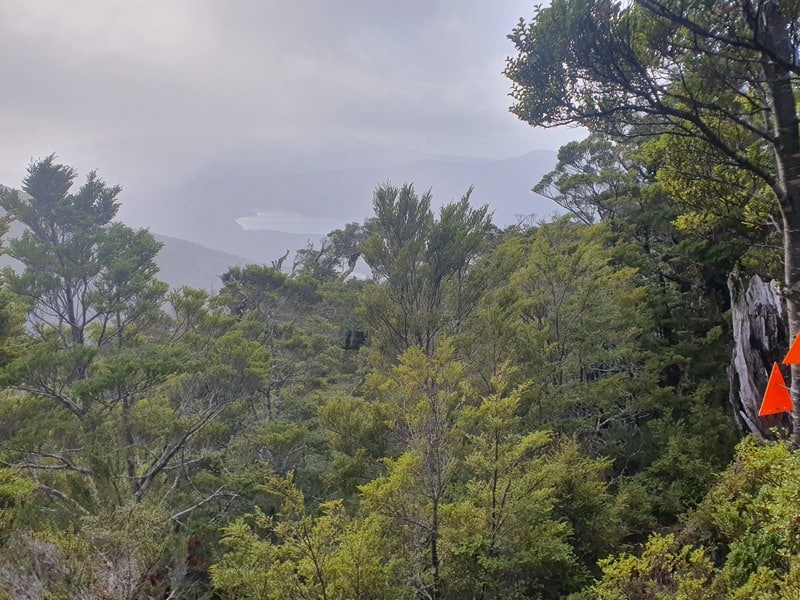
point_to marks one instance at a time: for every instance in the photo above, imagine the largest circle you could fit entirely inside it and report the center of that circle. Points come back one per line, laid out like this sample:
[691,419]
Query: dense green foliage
[711,85]
[740,542]
[535,412]
[521,405]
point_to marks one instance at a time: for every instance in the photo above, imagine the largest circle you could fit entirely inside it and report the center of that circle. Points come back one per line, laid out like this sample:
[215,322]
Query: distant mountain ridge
[254,211]
[240,213]
[182,263]
[185,263]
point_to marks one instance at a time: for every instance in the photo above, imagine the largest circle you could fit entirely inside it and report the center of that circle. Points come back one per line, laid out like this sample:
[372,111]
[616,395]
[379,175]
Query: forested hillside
[540,411]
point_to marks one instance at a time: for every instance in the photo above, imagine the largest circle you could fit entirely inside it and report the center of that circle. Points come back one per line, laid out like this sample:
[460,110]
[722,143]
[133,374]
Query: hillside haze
[257,212]
[239,213]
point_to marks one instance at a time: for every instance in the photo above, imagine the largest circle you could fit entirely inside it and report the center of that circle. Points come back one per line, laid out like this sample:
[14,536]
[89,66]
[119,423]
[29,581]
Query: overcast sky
[147,91]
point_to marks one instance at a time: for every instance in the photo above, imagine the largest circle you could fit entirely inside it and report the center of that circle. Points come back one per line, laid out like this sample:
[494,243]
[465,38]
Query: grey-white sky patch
[150,92]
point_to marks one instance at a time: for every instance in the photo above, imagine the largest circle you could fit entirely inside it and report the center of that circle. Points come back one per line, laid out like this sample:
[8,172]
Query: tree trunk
[772,29]
[791,293]
[436,591]
[760,339]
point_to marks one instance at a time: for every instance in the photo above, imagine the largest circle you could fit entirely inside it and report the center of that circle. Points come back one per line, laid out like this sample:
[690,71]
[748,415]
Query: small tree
[503,537]
[425,394]
[97,413]
[422,264]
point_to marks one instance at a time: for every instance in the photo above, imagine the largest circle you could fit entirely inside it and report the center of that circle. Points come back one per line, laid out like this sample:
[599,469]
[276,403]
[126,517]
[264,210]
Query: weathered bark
[760,339]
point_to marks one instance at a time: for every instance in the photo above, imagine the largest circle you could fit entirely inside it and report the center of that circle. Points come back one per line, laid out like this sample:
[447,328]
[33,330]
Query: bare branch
[48,392]
[219,493]
[54,493]
[144,482]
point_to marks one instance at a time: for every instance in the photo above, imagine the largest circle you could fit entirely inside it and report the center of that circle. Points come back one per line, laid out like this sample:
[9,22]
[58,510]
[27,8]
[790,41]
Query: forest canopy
[537,411]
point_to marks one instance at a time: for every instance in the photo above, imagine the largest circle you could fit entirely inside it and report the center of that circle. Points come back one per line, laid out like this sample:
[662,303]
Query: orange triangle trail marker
[793,356]
[776,398]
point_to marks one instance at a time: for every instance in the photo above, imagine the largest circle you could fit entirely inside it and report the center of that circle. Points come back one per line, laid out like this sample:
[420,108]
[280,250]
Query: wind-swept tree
[99,350]
[423,265]
[80,268]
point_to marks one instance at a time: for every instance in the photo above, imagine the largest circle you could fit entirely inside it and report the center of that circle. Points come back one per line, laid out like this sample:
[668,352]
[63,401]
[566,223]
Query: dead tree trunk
[760,339]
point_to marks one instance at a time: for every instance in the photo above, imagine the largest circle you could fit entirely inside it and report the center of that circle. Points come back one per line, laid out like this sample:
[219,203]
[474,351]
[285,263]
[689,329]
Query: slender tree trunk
[787,151]
[791,240]
[127,438]
[771,30]
[436,592]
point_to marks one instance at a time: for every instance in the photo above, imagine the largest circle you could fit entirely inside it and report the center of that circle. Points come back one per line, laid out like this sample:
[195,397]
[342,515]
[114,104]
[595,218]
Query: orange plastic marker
[776,398]
[793,356]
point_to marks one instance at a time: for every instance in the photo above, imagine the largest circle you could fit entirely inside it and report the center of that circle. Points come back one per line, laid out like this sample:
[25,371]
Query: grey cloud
[147,91]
